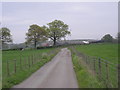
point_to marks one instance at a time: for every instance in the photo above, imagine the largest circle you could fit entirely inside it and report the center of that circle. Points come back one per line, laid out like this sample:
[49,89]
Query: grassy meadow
[87,76]
[106,51]
[27,62]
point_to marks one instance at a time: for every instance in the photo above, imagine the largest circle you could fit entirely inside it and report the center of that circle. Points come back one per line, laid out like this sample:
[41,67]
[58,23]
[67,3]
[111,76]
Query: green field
[15,54]
[106,51]
[25,65]
[84,77]
[27,62]
[101,59]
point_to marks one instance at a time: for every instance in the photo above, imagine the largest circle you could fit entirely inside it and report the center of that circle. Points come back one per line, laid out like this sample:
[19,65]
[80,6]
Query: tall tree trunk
[54,39]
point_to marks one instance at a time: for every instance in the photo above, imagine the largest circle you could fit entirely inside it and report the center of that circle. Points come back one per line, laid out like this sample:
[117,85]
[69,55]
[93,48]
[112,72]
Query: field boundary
[25,63]
[105,71]
[17,70]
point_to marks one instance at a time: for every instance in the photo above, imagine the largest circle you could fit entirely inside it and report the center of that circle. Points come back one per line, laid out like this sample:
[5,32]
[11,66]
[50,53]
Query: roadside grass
[85,78]
[107,51]
[96,52]
[44,56]
[18,55]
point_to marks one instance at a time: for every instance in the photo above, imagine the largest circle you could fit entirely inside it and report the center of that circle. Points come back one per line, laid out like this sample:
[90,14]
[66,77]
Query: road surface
[58,73]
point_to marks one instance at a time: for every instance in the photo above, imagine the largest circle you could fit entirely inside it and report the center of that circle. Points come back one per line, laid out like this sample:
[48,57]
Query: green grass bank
[24,63]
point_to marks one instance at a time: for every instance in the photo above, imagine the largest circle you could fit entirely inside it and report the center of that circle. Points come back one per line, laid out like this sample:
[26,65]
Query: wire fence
[23,63]
[105,71]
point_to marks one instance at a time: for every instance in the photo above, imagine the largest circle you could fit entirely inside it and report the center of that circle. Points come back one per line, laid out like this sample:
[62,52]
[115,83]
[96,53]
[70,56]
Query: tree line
[109,38]
[54,31]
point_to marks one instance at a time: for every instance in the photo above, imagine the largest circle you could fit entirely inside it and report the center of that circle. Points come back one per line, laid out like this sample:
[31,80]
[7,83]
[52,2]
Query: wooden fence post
[35,58]
[40,57]
[25,62]
[99,68]
[8,72]
[15,65]
[29,61]
[90,61]
[86,59]
[32,59]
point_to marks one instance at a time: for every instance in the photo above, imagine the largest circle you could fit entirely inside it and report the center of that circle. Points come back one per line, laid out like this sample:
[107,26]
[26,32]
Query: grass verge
[85,78]
[21,75]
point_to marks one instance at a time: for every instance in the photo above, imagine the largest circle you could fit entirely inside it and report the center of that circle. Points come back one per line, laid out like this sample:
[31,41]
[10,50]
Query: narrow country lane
[58,73]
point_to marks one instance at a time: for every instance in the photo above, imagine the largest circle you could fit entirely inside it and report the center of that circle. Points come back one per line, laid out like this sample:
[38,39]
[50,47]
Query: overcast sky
[88,20]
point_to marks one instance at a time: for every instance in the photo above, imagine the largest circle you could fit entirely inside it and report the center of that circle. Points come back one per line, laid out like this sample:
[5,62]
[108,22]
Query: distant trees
[56,30]
[5,35]
[35,34]
[107,38]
